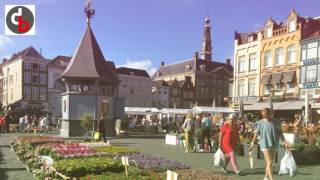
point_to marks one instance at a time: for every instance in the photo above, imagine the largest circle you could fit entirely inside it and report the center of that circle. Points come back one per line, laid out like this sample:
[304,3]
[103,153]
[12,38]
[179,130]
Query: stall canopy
[205,109]
[140,110]
[288,105]
[175,111]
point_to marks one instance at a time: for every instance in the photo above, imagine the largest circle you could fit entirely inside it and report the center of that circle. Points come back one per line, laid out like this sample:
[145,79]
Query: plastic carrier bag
[96,136]
[219,159]
[287,164]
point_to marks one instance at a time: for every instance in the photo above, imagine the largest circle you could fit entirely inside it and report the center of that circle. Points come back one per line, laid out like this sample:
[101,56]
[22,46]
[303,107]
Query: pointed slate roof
[88,60]
[28,52]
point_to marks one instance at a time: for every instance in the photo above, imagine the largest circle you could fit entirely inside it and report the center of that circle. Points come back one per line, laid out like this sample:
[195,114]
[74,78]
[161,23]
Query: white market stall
[208,109]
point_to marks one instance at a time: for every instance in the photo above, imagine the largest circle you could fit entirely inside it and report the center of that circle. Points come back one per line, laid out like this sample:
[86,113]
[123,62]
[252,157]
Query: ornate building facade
[202,81]
[247,66]
[25,82]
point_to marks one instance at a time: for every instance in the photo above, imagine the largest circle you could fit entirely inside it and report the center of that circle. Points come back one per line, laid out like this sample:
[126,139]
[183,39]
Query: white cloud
[145,64]
[5,41]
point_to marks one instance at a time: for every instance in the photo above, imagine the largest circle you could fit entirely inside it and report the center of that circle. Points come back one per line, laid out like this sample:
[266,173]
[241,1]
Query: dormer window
[250,38]
[292,25]
[203,67]
[188,68]
[269,32]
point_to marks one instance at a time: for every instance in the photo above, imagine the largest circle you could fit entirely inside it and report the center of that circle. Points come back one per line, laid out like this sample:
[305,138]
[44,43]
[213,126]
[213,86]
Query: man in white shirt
[21,123]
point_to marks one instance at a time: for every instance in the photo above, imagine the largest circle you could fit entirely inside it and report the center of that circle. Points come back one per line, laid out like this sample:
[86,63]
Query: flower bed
[155,163]
[79,167]
[116,150]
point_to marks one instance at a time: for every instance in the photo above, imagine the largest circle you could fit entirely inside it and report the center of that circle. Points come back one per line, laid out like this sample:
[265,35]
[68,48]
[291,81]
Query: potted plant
[311,154]
[297,152]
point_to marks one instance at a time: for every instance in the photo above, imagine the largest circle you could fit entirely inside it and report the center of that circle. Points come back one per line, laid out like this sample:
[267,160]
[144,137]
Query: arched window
[267,59]
[203,67]
[279,56]
[188,68]
[292,54]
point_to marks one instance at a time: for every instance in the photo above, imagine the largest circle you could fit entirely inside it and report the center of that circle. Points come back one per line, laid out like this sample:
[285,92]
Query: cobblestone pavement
[10,167]
[155,145]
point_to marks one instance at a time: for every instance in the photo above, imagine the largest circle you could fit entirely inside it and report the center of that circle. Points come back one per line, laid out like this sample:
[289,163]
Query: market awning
[209,109]
[288,76]
[276,78]
[288,105]
[175,111]
[140,110]
[266,79]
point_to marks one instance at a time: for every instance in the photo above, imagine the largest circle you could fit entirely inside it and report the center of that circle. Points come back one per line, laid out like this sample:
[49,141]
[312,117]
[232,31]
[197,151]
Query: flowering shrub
[80,167]
[155,163]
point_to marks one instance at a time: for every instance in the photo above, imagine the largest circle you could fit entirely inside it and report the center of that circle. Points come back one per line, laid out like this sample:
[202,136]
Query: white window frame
[267,59]
[292,25]
[292,54]
[241,64]
[269,32]
[279,56]
[252,62]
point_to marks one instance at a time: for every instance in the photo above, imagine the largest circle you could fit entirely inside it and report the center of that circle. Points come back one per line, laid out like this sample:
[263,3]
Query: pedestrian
[21,123]
[27,126]
[198,132]
[188,127]
[2,118]
[228,142]
[206,131]
[270,132]
[101,128]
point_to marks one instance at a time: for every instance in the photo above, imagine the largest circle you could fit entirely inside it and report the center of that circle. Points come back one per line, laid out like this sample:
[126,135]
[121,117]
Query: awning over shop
[266,79]
[288,105]
[276,78]
[288,76]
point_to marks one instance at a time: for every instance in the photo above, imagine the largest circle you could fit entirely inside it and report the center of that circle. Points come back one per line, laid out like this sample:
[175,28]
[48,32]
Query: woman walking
[270,132]
[228,142]
[188,127]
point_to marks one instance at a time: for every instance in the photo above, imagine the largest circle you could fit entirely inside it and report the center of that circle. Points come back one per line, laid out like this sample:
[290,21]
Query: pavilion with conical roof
[91,85]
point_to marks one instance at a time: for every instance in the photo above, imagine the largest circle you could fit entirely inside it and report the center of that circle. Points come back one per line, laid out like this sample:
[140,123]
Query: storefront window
[311,74]
[312,50]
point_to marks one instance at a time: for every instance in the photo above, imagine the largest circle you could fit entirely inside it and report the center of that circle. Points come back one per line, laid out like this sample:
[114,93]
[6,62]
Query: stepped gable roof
[131,71]
[88,60]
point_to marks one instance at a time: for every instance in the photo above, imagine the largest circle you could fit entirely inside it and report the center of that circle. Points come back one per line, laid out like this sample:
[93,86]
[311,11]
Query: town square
[159,90]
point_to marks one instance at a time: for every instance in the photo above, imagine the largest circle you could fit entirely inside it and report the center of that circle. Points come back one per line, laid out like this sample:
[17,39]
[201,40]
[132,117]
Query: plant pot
[298,156]
[240,150]
[255,149]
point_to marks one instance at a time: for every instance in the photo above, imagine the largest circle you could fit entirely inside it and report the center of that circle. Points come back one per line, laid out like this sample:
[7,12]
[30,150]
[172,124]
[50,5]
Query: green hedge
[92,165]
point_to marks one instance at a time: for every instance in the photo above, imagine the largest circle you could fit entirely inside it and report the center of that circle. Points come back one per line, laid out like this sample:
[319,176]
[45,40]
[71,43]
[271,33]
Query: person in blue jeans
[270,132]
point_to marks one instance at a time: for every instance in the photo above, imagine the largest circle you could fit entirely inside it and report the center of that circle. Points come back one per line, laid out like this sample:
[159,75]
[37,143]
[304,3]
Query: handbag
[96,136]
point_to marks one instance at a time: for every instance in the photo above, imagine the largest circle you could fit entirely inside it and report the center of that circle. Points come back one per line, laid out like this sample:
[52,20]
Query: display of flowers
[154,163]
[96,144]
[75,150]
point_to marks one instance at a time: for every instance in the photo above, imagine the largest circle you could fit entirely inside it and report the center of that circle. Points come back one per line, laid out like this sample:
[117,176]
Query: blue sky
[141,33]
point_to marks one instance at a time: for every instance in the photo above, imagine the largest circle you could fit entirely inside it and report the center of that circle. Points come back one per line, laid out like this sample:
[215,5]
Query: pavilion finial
[89,10]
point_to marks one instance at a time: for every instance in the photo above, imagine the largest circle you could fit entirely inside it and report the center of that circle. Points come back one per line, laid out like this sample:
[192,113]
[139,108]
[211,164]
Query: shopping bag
[219,158]
[96,136]
[251,159]
[287,164]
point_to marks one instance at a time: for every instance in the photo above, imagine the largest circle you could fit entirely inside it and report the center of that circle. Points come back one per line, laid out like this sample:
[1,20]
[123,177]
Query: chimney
[162,63]
[196,55]
[228,61]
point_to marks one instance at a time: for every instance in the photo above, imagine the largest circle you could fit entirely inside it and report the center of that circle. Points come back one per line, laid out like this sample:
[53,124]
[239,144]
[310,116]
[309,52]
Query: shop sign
[310,85]
[311,62]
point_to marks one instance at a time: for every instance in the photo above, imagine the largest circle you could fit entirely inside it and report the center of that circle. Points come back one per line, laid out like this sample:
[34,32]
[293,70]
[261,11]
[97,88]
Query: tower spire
[89,11]
[206,51]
